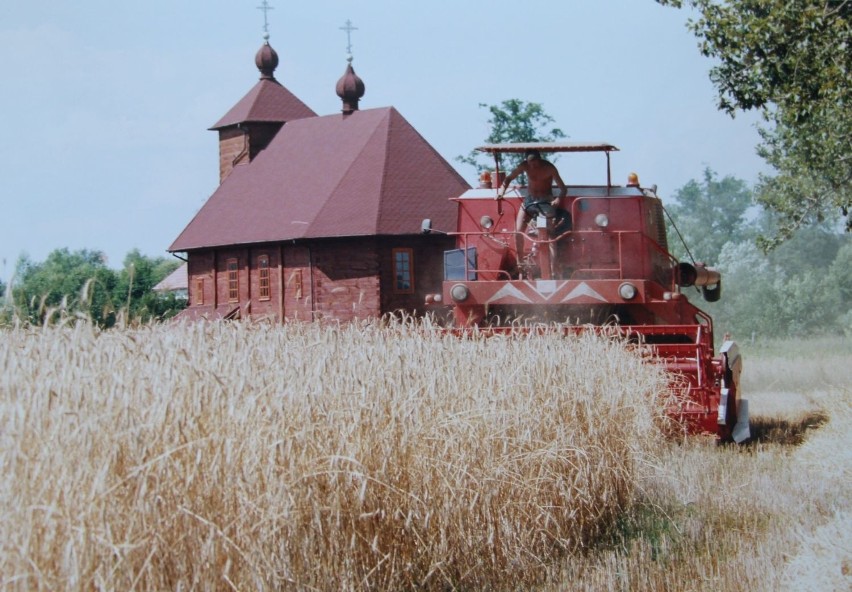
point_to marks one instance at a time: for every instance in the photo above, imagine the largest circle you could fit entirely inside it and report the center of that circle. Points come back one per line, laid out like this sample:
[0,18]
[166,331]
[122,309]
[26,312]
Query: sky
[107,105]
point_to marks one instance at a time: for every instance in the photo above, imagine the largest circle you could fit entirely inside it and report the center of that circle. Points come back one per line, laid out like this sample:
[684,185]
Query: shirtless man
[541,175]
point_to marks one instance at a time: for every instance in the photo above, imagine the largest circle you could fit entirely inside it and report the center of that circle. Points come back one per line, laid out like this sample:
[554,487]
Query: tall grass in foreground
[252,456]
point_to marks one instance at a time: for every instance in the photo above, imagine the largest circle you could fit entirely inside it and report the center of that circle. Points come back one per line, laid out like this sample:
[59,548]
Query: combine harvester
[598,259]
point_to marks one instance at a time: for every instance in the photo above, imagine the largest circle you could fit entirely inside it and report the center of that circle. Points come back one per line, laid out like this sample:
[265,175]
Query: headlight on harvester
[627,291]
[602,220]
[459,292]
[486,222]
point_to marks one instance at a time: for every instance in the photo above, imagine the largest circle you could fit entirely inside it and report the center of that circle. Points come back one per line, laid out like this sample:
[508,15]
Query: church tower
[250,125]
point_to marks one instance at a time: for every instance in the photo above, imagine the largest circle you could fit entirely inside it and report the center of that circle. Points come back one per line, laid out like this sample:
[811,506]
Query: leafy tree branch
[513,120]
[792,61]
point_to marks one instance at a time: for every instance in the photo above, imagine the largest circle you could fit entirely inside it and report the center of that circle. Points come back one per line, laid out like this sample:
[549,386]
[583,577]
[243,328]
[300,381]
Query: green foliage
[6,308]
[749,299]
[799,194]
[513,121]
[811,248]
[802,288]
[708,214]
[840,272]
[135,287]
[840,279]
[793,62]
[66,282]
[79,283]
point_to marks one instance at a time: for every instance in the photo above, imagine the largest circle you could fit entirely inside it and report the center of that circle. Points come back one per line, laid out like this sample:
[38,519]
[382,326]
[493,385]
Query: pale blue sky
[106,105]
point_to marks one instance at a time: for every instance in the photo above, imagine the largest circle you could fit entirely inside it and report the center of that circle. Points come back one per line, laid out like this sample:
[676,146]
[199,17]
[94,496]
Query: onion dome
[350,88]
[266,60]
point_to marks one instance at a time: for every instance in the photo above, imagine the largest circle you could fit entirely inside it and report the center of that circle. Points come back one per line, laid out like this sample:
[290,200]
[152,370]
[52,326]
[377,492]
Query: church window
[263,271]
[403,271]
[233,280]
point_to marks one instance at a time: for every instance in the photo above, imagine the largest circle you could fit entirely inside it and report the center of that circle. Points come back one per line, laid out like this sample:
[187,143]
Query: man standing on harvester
[541,175]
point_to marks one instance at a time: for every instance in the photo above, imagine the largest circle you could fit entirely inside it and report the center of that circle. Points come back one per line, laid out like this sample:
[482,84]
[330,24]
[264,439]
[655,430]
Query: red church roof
[268,101]
[364,173]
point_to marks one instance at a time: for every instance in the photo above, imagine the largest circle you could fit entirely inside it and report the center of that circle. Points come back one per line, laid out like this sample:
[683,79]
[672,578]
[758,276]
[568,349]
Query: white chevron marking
[508,291]
[583,290]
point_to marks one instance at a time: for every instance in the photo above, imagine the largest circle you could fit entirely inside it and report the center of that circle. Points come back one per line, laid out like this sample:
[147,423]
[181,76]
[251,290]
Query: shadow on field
[787,432]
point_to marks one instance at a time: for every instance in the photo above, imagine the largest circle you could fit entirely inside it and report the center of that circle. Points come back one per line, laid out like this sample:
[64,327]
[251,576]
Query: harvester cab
[596,257]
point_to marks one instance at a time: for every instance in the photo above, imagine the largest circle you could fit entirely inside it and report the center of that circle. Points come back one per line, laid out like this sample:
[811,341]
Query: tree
[80,283]
[66,282]
[750,300]
[840,272]
[840,277]
[514,121]
[792,62]
[810,249]
[134,288]
[774,296]
[6,311]
[709,214]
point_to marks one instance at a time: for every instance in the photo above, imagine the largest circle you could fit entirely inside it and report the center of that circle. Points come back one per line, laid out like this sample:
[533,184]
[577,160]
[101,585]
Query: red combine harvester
[599,258]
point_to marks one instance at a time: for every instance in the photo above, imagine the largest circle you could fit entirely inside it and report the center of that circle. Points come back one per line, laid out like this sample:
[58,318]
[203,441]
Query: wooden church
[317,217]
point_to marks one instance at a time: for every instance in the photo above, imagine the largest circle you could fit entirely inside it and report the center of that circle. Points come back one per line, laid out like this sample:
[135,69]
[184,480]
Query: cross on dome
[350,87]
[266,58]
[265,7]
[348,28]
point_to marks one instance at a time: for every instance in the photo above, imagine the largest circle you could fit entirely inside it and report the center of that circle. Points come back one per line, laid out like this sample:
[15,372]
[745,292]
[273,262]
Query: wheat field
[371,456]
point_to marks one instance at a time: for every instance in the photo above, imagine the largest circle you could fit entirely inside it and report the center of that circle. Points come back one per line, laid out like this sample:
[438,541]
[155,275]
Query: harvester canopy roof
[521,147]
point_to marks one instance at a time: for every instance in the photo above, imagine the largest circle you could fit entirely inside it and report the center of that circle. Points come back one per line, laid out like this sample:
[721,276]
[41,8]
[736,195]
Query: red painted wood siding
[341,279]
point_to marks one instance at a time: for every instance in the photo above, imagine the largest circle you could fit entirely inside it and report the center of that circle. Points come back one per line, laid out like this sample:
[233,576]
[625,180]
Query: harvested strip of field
[772,514]
[254,456]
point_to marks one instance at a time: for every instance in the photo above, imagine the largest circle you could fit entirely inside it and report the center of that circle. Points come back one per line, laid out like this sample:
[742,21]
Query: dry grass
[220,456]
